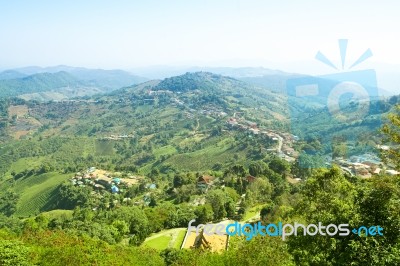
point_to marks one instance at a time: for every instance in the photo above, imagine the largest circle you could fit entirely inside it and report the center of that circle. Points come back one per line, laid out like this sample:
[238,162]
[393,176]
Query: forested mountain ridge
[37,83]
[62,82]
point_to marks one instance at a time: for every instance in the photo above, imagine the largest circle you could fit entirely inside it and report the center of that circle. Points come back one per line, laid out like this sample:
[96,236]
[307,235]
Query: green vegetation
[159,243]
[179,239]
[115,179]
[36,83]
[38,193]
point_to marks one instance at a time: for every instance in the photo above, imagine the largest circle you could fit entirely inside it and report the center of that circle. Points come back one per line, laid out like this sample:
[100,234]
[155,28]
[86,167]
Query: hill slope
[193,122]
[37,83]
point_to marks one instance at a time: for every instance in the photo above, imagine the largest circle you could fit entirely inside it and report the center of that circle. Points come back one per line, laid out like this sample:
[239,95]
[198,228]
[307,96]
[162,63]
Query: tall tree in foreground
[392,132]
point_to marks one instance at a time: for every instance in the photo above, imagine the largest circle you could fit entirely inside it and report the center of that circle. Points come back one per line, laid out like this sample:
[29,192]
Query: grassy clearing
[159,243]
[252,212]
[217,150]
[23,164]
[170,238]
[58,214]
[169,149]
[179,239]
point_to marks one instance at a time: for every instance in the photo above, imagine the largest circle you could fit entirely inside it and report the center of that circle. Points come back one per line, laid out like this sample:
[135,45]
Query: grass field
[252,212]
[37,193]
[169,149]
[58,214]
[159,243]
[179,239]
[216,150]
[23,164]
[171,238]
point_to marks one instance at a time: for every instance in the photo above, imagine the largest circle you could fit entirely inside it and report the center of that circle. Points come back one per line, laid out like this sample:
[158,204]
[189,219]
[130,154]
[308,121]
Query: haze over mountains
[63,82]
[388,76]
[60,82]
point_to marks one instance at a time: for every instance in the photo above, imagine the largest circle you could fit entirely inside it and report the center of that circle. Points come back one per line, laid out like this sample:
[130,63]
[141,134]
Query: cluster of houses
[206,110]
[91,178]
[159,92]
[364,165]
[118,137]
[102,181]
[213,111]
[285,140]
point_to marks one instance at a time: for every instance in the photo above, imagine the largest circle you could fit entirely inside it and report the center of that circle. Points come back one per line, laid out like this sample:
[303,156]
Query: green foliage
[204,214]
[279,166]
[8,202]
[13,253]
[71,196]
[221,203]
[330,198]
[392,133]
[259,191]
[36,83]
[259,251]
[257,168]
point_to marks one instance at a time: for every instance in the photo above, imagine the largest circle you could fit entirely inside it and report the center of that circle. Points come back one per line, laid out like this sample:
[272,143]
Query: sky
[131,34]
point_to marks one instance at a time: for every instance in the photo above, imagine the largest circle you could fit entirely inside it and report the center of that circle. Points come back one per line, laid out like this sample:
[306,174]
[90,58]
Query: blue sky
[128,34]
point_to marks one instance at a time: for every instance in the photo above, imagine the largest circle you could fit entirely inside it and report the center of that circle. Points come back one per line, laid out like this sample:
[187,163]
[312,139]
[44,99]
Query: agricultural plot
[38,193]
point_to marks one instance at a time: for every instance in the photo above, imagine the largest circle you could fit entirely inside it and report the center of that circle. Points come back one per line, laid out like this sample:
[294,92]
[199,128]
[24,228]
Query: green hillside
[38,193]
[37,83]
[180,124]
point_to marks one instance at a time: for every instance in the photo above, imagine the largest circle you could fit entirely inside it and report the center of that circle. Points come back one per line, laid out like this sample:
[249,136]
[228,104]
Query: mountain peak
[195,81]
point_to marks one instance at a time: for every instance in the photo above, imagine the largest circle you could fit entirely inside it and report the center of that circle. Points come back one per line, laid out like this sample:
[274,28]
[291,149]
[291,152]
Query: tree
[72,196]
[238,170]
[204,214]
[379,205]
[330,199]
[260,191]
[217,199]
[8,202]
[257,168]
[122,228]
[279,166]
[184,193]
[392,132]
[136,219]
[181,179]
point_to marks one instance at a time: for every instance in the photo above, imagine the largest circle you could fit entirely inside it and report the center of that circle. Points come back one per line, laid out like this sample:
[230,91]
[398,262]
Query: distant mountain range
[68,81]
[161,72]
[268,78]
[112,79]
[61,82]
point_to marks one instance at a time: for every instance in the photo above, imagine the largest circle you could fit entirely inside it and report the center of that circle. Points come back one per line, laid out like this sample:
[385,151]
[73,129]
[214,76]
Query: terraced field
[38,193]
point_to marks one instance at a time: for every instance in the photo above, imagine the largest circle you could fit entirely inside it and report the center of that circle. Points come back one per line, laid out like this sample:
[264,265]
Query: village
[364,165]
[102,182]
[284,148]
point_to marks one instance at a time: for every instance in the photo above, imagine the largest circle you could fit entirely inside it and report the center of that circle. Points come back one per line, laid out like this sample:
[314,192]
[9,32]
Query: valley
[134,165]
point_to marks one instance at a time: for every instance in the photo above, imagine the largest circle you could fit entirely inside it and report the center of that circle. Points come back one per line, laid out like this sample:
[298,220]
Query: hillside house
[250,178]
[204,182]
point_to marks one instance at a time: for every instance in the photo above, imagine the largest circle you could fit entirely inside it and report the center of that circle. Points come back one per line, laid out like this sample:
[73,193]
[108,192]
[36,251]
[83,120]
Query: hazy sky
[127,34]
